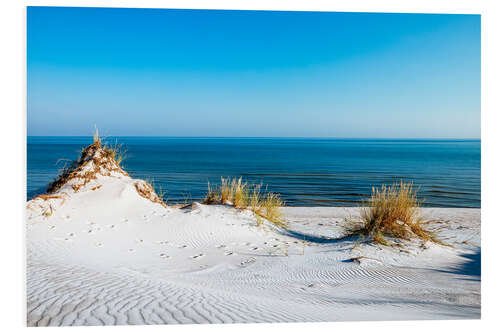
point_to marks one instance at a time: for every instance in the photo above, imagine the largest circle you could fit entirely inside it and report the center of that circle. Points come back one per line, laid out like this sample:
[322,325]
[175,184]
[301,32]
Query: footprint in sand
[197,256]
[308,286]
[94,228]
[248,261]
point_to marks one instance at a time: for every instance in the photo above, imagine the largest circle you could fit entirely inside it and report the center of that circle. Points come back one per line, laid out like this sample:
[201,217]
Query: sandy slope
[109,256]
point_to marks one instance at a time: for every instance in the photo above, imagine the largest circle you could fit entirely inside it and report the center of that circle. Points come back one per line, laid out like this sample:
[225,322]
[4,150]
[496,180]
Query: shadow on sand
[470,267]
[316,239]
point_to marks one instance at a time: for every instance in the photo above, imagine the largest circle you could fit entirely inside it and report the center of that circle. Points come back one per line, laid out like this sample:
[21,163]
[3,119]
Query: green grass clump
[392,211]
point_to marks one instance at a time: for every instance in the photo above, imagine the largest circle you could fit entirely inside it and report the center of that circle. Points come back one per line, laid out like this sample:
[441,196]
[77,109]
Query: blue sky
[252,73]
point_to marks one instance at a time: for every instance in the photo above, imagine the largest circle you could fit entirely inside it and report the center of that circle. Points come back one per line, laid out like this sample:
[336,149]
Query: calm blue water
[306,172]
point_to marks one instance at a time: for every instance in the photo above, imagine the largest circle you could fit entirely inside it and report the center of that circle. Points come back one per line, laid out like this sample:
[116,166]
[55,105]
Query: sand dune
[105,255]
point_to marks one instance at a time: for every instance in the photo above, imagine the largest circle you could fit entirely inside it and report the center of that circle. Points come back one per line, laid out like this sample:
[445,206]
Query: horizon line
[265,137]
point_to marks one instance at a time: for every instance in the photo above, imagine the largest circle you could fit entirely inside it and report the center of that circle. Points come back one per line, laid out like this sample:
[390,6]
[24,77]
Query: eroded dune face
[102,249]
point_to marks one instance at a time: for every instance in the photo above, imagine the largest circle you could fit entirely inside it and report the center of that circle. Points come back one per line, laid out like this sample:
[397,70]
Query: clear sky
[252,73]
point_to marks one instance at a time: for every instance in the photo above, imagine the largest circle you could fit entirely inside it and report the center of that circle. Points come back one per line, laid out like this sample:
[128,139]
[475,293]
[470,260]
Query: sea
[304,171]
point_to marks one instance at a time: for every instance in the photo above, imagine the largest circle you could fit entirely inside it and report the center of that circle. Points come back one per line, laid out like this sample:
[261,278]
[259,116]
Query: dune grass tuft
[97,138]
[162,194]
[240,194]
[226,191]
[117,152]
[392,211]
[213,195]
[101,160]
[268,207]
[146,190]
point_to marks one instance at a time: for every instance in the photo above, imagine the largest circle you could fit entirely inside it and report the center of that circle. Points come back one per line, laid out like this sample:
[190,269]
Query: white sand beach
[105,255]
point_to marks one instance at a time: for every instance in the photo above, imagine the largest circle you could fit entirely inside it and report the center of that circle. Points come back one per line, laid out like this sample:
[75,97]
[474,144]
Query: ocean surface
[306,172]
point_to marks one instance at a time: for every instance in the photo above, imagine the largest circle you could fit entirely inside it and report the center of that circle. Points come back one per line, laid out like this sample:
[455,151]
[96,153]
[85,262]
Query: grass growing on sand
[117,152]
[392,211]
[146,190]
[268,207]
[94,159]
[213,195]
[265,205]
[162,194]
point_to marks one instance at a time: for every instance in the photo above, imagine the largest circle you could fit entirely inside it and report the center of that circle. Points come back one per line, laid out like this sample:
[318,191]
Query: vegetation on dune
[162,194]
[117,152]
[268,207]
[147,191]
[98,159]
[94,159]
[392,211]
[265,205]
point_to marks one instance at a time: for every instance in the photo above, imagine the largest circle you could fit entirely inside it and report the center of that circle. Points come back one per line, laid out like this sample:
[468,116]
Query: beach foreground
[103,252]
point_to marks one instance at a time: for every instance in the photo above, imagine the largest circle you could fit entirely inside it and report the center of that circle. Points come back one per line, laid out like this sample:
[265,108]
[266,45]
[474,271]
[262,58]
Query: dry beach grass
[392,211]
[94,159]
[265,205]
